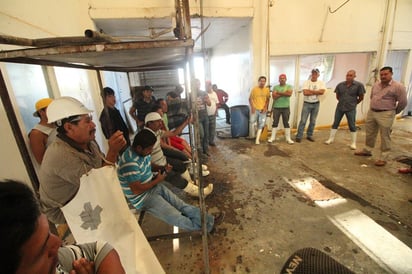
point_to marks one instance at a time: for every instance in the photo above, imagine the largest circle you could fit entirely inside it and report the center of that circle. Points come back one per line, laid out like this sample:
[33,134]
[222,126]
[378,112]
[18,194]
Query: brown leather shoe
[405,170]
[363,152]
[380,163]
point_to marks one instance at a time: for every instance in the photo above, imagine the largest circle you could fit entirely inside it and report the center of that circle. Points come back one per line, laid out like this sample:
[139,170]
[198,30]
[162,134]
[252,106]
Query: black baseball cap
[148,88]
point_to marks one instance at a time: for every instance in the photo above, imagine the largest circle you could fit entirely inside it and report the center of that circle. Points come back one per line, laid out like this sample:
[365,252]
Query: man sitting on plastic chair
[145,191]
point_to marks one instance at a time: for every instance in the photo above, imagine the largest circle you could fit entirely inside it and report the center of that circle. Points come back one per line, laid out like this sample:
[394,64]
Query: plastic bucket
[239,121]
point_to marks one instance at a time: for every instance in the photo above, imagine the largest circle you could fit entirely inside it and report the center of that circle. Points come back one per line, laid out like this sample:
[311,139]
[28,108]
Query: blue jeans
[259,117]
[165,205]
[204,132]
[350,116]
[212,128]
[308,109]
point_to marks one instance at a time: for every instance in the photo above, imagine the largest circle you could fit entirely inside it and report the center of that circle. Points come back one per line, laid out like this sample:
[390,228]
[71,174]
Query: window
[29,85]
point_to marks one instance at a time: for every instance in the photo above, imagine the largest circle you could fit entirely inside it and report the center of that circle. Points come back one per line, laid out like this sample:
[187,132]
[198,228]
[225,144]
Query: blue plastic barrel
[239,116]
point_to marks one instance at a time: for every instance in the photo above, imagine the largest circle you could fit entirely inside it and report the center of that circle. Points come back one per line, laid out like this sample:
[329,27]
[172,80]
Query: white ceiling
[143,29]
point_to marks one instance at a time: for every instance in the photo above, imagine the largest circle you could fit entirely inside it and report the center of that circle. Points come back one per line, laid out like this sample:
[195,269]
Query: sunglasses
[89,118]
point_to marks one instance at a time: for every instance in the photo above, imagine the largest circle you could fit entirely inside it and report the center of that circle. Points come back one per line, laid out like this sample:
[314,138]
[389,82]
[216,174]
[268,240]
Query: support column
[259,40]
[387,29]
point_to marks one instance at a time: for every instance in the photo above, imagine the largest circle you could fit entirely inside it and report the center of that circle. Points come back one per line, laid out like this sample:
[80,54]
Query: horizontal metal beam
[95,47]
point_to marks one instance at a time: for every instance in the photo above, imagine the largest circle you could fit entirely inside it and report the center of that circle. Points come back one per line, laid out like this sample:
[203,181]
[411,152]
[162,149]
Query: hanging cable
[338,7]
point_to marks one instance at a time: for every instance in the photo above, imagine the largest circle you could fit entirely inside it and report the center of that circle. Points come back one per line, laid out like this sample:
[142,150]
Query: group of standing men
[388,98]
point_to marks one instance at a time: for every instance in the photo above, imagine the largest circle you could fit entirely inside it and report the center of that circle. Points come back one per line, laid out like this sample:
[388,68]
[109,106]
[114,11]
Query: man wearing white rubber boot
[179,175]
[348,93]
[281,101]
[259,101]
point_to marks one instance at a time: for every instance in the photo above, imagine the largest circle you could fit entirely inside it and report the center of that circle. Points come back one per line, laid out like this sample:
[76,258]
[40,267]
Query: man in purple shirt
[388,98]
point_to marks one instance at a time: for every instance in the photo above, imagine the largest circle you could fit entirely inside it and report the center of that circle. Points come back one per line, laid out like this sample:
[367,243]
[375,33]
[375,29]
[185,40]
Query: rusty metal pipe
[183,26]
[13,40]
[95,35]
[91,36]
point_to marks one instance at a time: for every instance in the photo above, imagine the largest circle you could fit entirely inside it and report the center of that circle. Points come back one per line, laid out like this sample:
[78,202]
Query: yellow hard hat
[41,104]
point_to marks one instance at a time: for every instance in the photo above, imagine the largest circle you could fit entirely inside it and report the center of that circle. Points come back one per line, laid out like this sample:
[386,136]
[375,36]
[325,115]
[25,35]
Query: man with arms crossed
[312,88]
[281,107]
[348,93]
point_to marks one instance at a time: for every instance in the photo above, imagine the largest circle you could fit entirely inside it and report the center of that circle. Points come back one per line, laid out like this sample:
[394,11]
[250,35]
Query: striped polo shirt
[132,168]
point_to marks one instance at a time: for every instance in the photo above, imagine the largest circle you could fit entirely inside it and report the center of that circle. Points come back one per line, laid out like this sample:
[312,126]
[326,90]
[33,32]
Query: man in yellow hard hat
[43,133]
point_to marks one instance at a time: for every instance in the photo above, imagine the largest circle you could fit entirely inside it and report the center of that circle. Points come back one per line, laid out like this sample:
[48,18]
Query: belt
[380,110]
[312,102]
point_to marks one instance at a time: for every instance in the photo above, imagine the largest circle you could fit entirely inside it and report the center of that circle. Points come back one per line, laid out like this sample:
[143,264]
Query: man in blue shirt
[349,94]
[145,190]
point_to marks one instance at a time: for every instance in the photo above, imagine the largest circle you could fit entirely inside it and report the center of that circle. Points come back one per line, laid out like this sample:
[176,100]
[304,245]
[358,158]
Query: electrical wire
[338,7]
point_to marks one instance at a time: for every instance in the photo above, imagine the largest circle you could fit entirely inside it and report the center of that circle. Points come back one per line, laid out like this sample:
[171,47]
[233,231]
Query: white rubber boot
[204,167]
[205,172]
[287,136]
[191,189]
[259,132]
[185,175]
[207,190]
[331,136]
[273,135]
[353,140]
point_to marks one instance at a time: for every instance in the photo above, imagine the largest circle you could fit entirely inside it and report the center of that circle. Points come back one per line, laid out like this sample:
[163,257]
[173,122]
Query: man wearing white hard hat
[71,155]
[179,175]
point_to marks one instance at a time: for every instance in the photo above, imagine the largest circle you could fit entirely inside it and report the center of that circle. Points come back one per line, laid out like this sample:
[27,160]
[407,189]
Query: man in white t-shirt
[312,88]
[211,112]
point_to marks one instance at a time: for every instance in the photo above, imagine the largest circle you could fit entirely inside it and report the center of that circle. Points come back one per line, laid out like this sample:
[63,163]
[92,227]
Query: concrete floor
[268,218]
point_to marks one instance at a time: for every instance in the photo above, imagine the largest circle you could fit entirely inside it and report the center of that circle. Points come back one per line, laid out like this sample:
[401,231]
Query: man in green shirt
[281,101]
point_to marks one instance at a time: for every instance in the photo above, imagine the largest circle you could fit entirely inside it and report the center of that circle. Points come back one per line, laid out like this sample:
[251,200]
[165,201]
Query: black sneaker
[298,140]
[310,138]
[218,220]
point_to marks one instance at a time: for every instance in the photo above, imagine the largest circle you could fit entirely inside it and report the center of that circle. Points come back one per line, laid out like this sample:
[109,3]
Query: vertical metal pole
[270,104]
[183,19]
[297,93]
[198,177]
[183,22]
[199,167]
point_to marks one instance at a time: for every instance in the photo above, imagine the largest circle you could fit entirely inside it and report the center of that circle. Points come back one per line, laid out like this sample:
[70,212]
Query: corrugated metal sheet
[162,81]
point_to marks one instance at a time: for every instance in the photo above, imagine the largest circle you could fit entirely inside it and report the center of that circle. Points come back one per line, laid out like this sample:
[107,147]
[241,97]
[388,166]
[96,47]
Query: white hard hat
[152,116]
[64,107]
